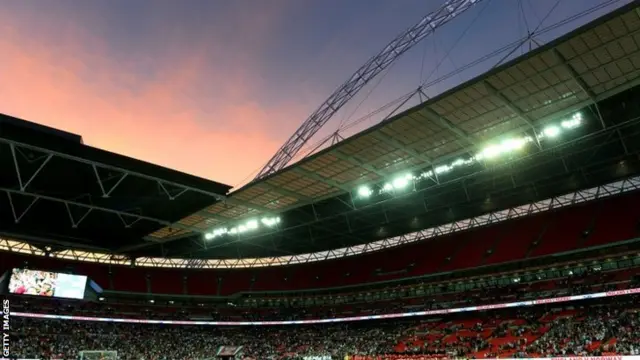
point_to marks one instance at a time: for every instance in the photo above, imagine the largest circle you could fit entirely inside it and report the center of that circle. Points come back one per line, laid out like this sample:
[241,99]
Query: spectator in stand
[604,327]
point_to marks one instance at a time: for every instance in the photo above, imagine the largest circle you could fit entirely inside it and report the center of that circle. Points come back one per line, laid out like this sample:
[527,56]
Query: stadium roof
[592,71]
[55,190]
[587,66]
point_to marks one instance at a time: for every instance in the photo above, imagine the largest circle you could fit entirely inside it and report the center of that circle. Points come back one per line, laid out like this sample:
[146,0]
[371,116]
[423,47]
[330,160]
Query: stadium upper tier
[590,225]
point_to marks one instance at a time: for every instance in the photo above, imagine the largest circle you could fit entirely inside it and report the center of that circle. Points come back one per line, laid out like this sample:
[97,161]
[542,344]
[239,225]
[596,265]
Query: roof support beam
[514,109]
[317,177]
[234,201]
[447,124]
[106,191]
[22,177]
[283,191]
[395,143]
[130,218]
[496,94]
[18,152]
[337,153]
[574,74]
[225,220]
[52,153]
[581,83]
[17,214]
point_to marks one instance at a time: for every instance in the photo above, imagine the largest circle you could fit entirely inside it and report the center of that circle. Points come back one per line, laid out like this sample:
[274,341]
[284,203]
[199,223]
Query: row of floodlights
[249,225]
[490,152]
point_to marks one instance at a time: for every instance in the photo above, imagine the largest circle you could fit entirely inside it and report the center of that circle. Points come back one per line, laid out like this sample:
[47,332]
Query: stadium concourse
[525,249]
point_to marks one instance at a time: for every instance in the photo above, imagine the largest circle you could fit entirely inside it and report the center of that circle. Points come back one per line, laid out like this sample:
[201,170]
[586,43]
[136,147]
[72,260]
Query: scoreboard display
[45,283]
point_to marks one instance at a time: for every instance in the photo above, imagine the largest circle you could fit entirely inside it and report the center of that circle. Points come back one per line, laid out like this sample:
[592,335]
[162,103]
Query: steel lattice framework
[171,189]
[367,72]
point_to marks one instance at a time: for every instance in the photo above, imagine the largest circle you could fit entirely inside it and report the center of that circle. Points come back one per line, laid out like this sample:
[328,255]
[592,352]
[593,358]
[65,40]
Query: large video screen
[44,283]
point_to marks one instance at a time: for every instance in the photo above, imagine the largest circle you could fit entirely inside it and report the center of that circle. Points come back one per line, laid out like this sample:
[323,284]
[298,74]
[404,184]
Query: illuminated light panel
[491,152]
[551,131]
[248,226]
[364,191]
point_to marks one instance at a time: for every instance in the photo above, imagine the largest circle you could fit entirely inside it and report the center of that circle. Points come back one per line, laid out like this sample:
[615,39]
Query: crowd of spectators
[601,327]
[604,327]
[573,285]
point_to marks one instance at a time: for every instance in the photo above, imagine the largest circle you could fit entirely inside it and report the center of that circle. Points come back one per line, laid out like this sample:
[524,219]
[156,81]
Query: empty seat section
[393,263]
[235,281]
[565,230]
[313,275]
[44,263]
[96,272]
[458,256]
[475,247]
[362,267]
[617,220]
[517,237]
[165,281]
[202,282]
[129,279]
[323,275]
[9,261]
[432,253]
[272,279]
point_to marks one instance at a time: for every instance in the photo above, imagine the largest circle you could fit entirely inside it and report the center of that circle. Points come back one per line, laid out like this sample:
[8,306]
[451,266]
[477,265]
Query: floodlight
[442,169]
[426,174]
[252,224]
[364,191]
[270,221]
[489,152]
[573,122]
[514,144]
[551,131]
[400,183]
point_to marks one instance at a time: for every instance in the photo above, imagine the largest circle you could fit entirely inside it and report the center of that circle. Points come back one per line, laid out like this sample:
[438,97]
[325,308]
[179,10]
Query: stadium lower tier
[575,284]
[596,327]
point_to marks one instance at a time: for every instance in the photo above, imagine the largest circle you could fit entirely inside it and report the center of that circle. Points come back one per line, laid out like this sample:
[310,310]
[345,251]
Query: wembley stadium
[498,219]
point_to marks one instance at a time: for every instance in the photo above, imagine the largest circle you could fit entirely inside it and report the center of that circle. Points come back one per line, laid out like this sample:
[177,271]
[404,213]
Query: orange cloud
[191,115]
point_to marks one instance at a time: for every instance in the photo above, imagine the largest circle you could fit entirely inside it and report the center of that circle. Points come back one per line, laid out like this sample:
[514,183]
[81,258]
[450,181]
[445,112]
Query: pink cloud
[191,116]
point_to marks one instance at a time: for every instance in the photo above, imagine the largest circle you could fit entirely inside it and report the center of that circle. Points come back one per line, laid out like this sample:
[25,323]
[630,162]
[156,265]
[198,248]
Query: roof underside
[55,190]
[585,67]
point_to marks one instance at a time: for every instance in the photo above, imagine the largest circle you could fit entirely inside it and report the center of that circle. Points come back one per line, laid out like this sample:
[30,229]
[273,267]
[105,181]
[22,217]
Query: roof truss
[108,178]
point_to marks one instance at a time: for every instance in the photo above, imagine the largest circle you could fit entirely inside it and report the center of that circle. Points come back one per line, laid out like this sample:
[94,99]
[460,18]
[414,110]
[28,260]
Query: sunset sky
[214,87]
